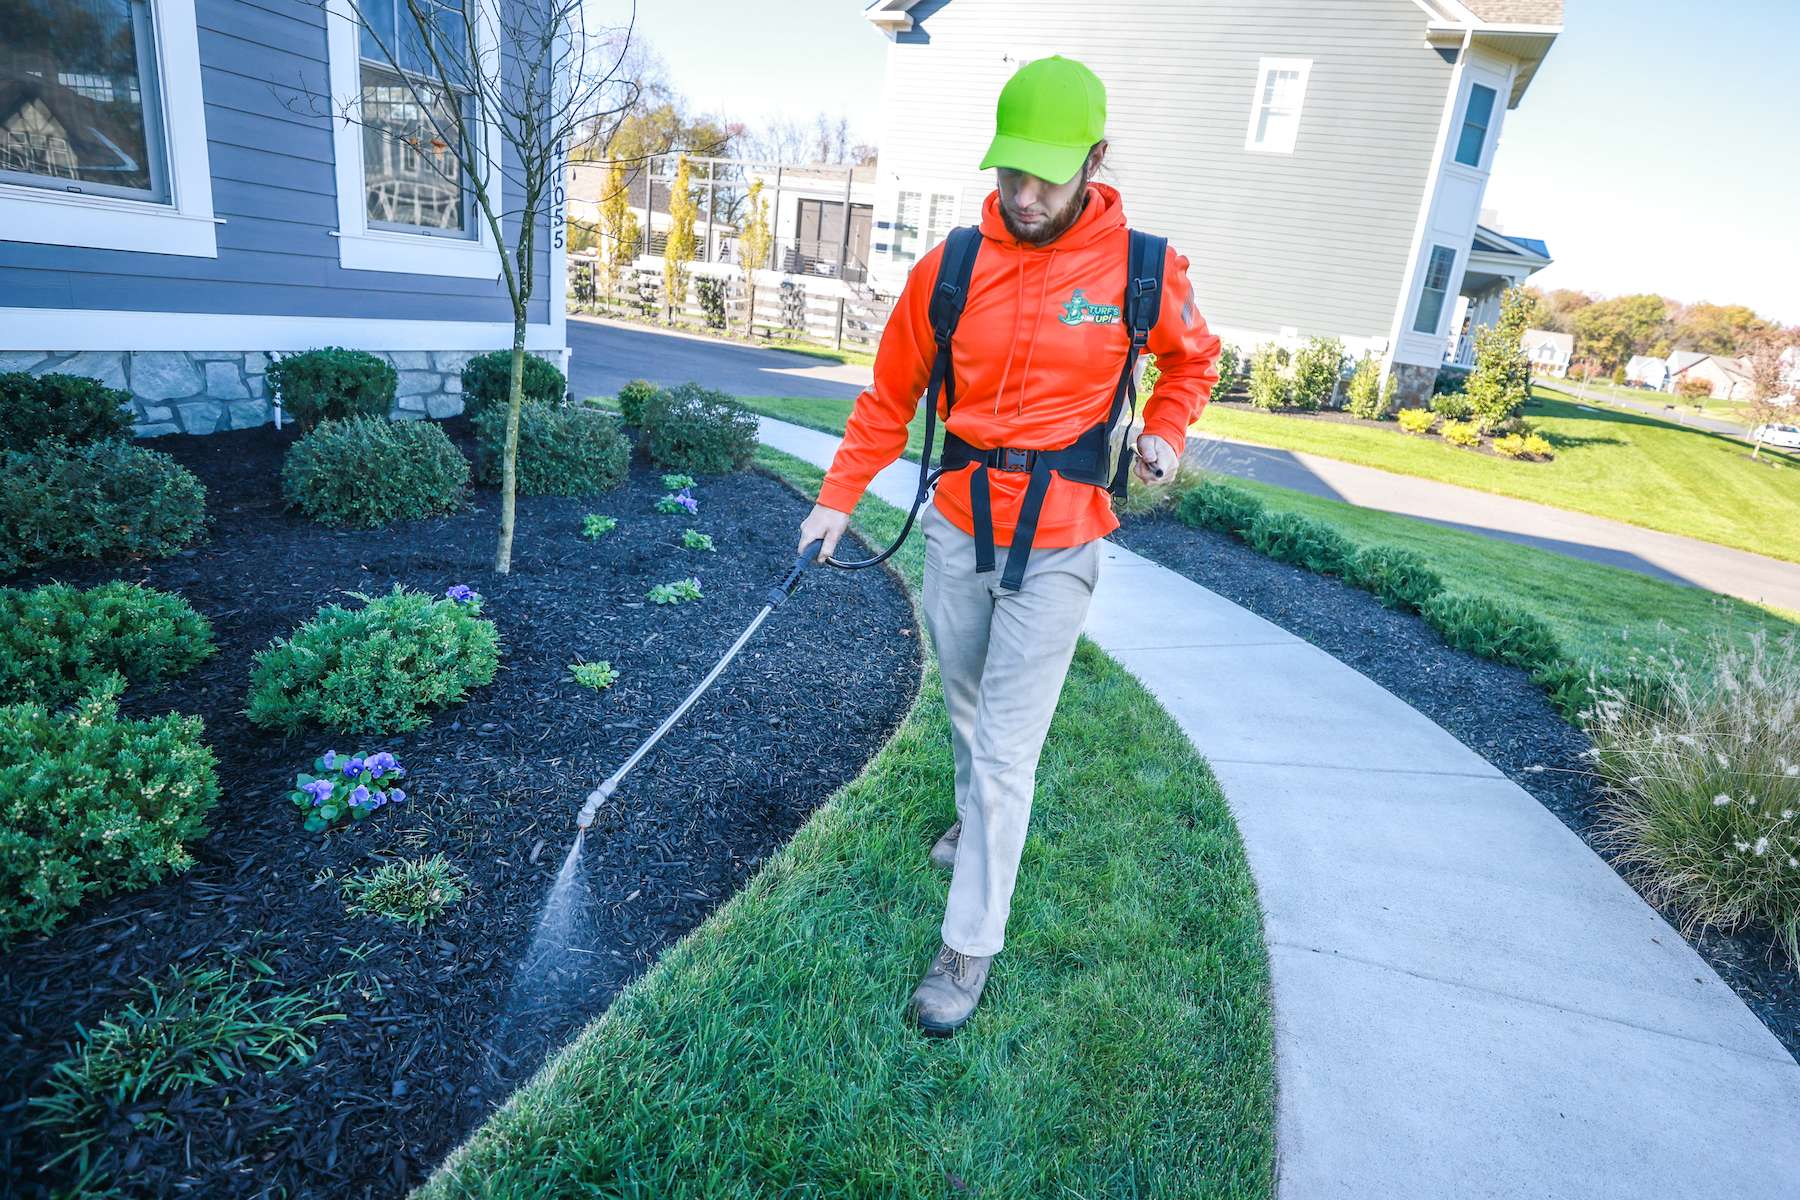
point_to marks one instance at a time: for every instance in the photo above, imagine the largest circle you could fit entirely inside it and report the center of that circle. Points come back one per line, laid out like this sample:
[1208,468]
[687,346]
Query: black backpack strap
[949,293]
[1144,262]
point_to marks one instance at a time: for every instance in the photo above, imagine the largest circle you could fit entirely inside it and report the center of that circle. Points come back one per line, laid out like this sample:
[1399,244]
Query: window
[1275,112]
[1477,114]
[938,212]
[1437,287]
[403,201]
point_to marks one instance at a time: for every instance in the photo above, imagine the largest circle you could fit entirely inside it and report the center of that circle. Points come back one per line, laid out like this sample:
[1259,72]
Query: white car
[1777,435]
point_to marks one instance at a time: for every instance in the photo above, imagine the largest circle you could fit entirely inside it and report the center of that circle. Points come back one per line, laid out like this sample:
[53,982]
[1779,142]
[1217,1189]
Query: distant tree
[679,250]
[618,241]
[1767,381]
[1611,331]
[1556,309]
[1716,328]
[1692,387]
[754,239]
[1501,381]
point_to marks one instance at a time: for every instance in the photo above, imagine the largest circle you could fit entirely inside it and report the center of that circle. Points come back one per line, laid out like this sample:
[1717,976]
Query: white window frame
[1487,132]
[1447,304]
[1264,68]
[184,223]
[923,240]
[361,248]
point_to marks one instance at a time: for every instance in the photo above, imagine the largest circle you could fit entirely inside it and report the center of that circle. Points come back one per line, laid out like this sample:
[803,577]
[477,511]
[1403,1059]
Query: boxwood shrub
[1219,506]
[102,500]
[1399,578]
[365,472]
[333,383]
[1493,630]
[695,429]
[57,642]
[93,803]
[380,669]
[563,451]
[487,379]
[633,398]
[73,407]
[1292,538]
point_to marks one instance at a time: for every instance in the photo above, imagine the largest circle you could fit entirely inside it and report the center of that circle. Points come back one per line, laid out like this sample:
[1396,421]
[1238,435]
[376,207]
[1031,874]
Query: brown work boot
[943,855]
[947,995]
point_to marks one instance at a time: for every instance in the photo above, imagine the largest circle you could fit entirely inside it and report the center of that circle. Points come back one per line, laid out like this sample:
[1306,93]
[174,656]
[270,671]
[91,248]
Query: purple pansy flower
[319,790]
[396,795]
[352,768]
[462,593]
[330,759]
[687,501]
[378,763]
[359,797]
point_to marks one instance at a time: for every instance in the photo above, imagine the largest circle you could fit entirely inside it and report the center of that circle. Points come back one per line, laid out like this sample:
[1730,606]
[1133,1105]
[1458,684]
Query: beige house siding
[1318,240]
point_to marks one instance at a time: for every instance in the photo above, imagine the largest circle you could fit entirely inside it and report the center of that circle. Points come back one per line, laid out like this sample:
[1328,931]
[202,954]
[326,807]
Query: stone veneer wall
[205,391]
[1413,384]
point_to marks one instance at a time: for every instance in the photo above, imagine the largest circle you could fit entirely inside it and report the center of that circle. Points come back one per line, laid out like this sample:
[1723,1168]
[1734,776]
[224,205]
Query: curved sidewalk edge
[1468,1001]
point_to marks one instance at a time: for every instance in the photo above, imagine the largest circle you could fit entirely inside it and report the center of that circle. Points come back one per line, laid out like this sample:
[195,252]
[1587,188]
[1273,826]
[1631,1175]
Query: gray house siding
[263,72]
[1318,240]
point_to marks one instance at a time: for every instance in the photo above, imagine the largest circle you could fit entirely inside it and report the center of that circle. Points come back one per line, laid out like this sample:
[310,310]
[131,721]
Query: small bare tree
[487,96]
[754,240]
[1767,375]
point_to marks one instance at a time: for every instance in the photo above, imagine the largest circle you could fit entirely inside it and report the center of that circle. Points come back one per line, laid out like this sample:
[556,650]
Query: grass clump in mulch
[596,675]
[412,892]
[1125,1034]
[197,1026]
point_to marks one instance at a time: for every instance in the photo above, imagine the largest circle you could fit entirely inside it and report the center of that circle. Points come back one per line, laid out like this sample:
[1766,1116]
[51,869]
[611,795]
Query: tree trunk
[750,313]
[509,455]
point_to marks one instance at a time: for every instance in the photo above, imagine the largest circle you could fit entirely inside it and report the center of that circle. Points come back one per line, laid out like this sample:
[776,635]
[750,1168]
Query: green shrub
[1416,420]
[595,526]
[693,539]
[596,675]
[72,407]
[699,431]
[634,397]
[487,381]
[102,500]
[413,892]
[1292,538]
[678,482]
[1365,397]
[1452,406]
[562,451]
[1399,578]
[1538,446]
[1230,367]
[1461,433]
[679,592]
[93,803]
[200,1025]
[1219,506]
[57,642]
[1269,388]
[1500,383]
[366,472]
[1493,630]
[379,669]
[1509,444]
[332,384]
[1702,785]
[1317,368]
[1450,381]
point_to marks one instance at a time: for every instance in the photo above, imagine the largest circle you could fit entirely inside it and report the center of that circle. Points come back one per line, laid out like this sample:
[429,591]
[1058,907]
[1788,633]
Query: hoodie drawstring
[1013,344]
[1037,315]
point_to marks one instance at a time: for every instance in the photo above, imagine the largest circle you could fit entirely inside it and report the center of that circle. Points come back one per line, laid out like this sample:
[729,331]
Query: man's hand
[1156,461]
[826,523]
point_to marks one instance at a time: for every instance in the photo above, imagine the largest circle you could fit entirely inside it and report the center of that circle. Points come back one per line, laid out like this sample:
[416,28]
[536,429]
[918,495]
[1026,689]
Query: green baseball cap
[1051,112]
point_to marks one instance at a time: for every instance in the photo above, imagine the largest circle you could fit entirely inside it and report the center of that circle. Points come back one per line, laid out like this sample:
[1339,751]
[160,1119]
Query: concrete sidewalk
[1468,1002]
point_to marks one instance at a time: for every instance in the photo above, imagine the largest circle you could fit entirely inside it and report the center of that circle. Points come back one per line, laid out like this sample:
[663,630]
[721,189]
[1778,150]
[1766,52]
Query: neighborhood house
[1548,351]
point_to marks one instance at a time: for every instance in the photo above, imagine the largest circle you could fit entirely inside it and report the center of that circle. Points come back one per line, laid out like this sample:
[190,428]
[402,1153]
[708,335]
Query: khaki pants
[1003,656]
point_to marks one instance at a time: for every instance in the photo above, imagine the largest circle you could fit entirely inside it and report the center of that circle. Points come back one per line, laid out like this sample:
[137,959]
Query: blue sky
[1658,149]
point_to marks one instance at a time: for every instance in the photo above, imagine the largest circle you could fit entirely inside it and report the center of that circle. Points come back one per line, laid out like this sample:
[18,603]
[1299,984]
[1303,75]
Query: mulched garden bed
[1493,709]
[432,1040]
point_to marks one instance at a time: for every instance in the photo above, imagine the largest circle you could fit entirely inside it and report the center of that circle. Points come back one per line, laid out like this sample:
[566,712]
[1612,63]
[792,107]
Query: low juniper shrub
[1399,578]
[413,892]
[595,526]
[74,408]
[93,803]
[487,381]
[1219,506]
[347,787]
[57,642]
[693,539]
[383,668]
[698,431]
[679,592]
[1292,538]
[681,502]
[596,675]
[563,451]
[366,472]
[332,384]
[634,397]
[1491,629]
[102,500]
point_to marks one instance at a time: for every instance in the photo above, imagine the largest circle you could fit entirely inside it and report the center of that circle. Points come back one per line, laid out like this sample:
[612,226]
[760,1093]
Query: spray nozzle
[591,809]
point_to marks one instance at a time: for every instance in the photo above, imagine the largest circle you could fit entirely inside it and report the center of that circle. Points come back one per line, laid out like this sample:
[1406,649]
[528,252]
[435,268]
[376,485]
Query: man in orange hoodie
[1036,358]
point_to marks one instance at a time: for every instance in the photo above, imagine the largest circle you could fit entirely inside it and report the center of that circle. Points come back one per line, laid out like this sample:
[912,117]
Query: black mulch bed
[1495,710]
[494,784]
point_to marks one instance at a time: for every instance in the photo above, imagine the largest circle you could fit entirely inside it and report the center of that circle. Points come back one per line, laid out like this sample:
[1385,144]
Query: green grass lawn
[1609,462]
[1596,390]
[1123,1048]
[1601,613]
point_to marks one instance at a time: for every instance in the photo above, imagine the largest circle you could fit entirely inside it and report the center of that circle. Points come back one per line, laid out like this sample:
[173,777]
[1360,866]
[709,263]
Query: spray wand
[776,596]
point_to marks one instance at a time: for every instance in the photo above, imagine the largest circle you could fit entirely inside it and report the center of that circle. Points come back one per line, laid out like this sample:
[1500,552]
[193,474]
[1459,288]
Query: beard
[1053,228]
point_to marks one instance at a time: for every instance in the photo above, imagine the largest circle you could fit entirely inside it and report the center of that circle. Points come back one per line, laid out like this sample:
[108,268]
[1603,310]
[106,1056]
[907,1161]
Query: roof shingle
[1517,12]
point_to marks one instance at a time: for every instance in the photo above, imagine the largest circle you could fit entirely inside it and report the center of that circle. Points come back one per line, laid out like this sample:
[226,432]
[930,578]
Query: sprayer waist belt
[1082,461]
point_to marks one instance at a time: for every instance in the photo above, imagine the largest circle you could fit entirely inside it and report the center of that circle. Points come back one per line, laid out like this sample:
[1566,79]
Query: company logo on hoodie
[1078,311]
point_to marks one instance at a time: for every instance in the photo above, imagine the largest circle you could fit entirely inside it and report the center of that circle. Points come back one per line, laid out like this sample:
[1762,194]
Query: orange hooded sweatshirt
[1037,355]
